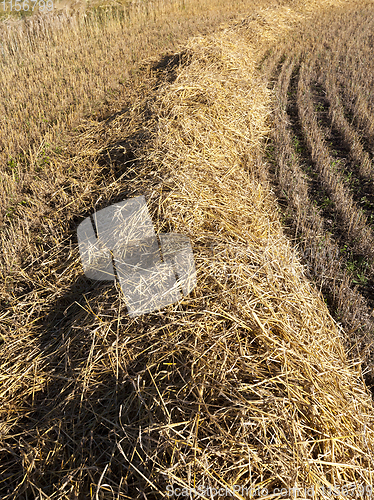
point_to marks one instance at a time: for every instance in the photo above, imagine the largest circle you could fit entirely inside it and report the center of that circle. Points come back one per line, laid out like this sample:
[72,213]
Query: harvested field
[322,164]
[251,139]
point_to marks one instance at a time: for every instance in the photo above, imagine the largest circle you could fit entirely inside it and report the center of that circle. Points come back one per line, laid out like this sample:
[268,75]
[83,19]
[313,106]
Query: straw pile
[244,385]
[266,397]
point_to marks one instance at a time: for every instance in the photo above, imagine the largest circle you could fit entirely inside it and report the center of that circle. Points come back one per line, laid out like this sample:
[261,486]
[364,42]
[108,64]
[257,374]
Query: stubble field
[248,128]
[321,158]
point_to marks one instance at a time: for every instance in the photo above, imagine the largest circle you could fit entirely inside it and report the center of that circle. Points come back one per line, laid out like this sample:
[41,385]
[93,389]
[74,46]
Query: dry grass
[246,381]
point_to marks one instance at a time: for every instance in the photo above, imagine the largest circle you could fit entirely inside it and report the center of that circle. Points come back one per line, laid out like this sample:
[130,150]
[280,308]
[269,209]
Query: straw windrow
[244,385]
[264,351]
